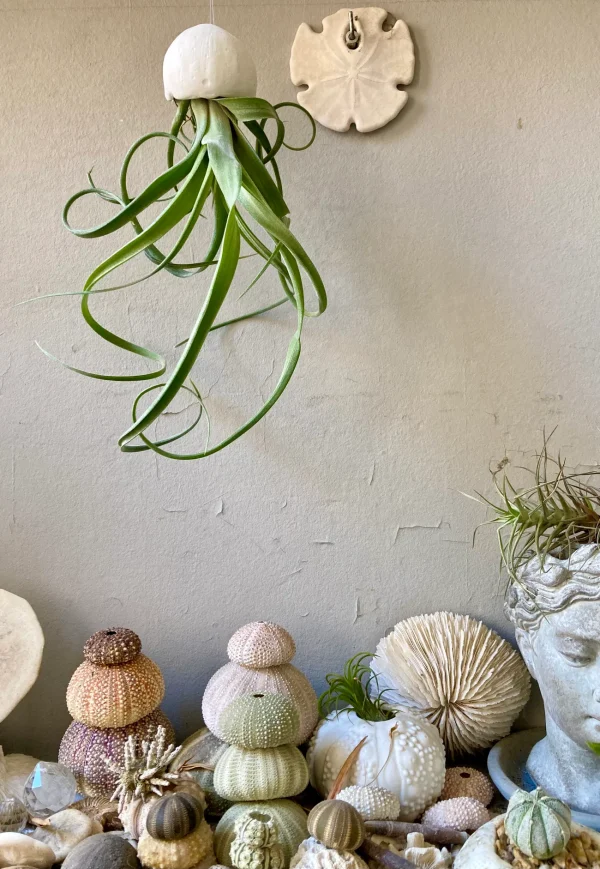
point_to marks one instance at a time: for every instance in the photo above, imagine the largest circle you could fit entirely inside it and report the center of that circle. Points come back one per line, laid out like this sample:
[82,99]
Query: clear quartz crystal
[50,788]
[13,815]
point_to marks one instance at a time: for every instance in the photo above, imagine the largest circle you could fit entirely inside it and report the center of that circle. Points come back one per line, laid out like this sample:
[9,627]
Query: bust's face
[564,656]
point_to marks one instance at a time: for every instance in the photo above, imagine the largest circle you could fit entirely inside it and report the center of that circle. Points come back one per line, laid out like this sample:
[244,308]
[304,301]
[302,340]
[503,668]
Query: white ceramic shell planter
[353,85]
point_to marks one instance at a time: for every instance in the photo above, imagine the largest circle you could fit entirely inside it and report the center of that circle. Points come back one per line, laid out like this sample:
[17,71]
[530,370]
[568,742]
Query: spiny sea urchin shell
[112,646]
[263,774]
[461,813]
[372,804]
[85,750]
[260,721]
[114,696]
[261,644]
[456,672]
[462,781]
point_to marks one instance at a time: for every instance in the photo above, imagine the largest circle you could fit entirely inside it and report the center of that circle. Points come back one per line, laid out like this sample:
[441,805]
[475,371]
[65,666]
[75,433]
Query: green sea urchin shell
[539,825]
[244,775]
[337,824]
[288,817]
[260,721]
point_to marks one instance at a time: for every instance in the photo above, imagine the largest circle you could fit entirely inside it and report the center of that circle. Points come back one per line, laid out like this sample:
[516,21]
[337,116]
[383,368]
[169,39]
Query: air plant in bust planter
[212,78]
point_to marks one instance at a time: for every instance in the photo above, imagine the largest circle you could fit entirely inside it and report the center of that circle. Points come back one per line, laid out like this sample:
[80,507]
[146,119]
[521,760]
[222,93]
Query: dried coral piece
[463,781]
[313,855]
[112,646]
[261,644]
[461,813]
[458,673]
[425,856]
[145,770]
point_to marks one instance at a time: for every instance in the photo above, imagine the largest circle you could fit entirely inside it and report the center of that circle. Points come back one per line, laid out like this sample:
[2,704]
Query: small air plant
[555,515]
[220,128]
[145,770]
[357,689]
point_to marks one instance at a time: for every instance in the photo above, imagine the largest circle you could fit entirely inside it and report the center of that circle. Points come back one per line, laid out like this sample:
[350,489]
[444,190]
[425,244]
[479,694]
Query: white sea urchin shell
[456,672]
[373,804]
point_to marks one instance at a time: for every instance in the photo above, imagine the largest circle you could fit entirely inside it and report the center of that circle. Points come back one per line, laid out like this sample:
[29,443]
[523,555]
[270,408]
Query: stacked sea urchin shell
[112,696]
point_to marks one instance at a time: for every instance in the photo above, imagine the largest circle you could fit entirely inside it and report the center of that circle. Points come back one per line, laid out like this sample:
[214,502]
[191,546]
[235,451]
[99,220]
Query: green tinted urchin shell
[201,751]
[337,824]
[539,825]
[288,817]
[245,775]
[174,817]
[260,721]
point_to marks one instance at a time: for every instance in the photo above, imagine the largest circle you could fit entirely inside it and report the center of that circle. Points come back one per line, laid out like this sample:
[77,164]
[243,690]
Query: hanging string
[212,12]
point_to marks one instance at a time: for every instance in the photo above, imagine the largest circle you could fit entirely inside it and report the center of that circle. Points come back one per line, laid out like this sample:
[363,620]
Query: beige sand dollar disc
[21,647]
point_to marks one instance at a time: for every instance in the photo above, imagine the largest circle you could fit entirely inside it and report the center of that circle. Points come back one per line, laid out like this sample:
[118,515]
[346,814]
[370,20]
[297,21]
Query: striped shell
[260,721]
[112,646]
[337,824]
[261,644]
[174,816]
[178,854]
[537,824]
[101,696]
[203,748]
[233,680]
[84,750]
[263,774]
[289,819]
[372,804]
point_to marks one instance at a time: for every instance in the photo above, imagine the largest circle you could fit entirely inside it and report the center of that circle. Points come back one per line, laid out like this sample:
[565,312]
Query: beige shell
[179,854]
[465,679]
[462,781]
[21,647]
[353,85]
[461,813]
[261,644]
[313,855]
[16,849]
[233,680]
[102,696]
[63,830]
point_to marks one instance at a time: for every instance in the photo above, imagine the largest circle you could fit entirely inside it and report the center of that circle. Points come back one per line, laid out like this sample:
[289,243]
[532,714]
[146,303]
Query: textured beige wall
[459,247]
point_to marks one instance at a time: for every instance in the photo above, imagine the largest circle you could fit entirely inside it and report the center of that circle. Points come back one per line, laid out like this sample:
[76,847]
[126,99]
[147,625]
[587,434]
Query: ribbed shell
[180,854]
[203,747]
[112,646]
[289,818]
[260,721]
[101,696]
[312,855]
[337,824]
[263,774]
[83,749]
[537,824]
[462,813]
[174,816]
[462,781]
[261,644]
[233,680]
[372,804]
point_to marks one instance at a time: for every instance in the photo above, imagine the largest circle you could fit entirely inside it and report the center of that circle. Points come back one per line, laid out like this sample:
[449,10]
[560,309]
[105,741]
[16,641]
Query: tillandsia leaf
[356,689]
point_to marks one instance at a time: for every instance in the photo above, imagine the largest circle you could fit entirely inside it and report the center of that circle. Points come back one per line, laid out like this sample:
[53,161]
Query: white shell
[404,756]
[373,804]
[313,855]
[465,679]
[21,647]
[358,85]
[426,856]
[64,830]
[207,62]
[17,849]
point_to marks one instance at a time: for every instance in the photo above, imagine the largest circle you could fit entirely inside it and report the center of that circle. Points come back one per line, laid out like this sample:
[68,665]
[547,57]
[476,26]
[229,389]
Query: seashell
[174,816]
[98,809]
[178,854]
[21,647]
[116,696]
[288,817]
[462,781]
[256,844]
[85,750]
[17,849]
[425,856]
[261,644]
[461,813]
[13,815]
[458,673]
[103,851]
[313,855]
[198,756]
[64,830]
[112,646]
[135,814]
[260,721]
[372,804]
[233,680]
[537,824]
[337,824]
[263,774]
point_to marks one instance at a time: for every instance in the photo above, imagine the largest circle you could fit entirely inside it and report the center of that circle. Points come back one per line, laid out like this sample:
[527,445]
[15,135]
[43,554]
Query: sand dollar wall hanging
[353,69]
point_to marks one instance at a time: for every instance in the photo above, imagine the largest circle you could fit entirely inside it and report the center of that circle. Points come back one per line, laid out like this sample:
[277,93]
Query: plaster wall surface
[459,246]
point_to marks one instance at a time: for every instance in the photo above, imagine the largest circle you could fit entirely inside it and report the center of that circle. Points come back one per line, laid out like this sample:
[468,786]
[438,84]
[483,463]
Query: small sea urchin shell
[462,813]
[261,644]
[462,781]
[372,804]
[337,824]
[456,672]
[112,646]
[178,854]
[260,721]
[174,816]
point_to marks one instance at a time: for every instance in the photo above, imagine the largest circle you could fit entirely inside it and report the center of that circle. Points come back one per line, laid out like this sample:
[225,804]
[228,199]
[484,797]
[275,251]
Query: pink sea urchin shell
[462,781]
[461,813]
[261,644]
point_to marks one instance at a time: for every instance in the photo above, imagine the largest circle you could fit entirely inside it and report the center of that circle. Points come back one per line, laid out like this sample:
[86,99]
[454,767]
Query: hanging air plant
[228,172]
